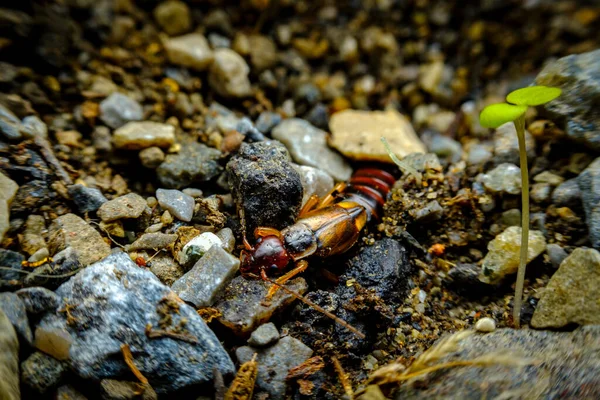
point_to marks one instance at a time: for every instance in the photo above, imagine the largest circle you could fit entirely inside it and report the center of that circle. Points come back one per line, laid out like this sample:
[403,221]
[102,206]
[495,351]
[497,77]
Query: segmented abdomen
[369,187]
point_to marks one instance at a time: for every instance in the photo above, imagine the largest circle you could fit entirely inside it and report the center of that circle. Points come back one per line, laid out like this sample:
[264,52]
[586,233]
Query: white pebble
[485,324]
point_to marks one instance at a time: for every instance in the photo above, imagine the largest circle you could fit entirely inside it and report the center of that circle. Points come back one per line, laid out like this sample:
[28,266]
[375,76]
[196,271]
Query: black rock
[38,300]
[266,188]
[10,259]
[15,310]
[464,279]
[86,199]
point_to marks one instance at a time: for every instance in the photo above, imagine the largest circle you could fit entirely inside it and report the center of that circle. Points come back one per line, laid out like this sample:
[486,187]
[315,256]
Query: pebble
[505,178]
[308,146]
[153,241]
[10,125]
[118,109]
[431,211]
[275,362]
[191,51]
[242,305]
[173,17]
[267,120]
[314,181]
[32,239]
[549,178]
[34,127]
[227,239]
[567,194]
[122,300]
[55,342]
[589,186]
[478,154]
[86,199]
[195,162]
[102,139]
[9,360]
[443,146]
[39,255]
[112,389]
[556,254]
[503,253]
[266,189]
[506,145]
[128,206]
[217,41]
[8,190]
[40,372]
[197,247]
[246,128]
[179,204]
[464,280]
[166,269]
[194,192]
[319,116]
[571,296]
[511,217]
[152,157]
[540,192]
[38,300]
[264,335]
[71,231]
[14,308]
[10,259]
[263,52]
[485,325]
[207,278]
[228,74]
[357,134]
[144,134]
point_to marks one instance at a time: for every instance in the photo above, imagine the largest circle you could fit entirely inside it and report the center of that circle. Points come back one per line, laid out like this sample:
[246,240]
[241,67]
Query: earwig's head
[268,254]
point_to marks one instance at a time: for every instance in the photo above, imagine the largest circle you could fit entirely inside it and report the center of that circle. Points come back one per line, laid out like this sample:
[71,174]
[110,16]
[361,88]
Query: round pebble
[485,325]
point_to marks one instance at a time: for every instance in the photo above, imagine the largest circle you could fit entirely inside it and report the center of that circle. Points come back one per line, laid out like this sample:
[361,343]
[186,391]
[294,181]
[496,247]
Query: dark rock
[195,162]
[86,199]
[16,312]
[264,335]
[66,262]
[464,279]
[267,120]
[266,188]
[10,259]
[556,254]
[246,128]
[38,300]
[41,372]
[567,194]
[319,116]
[589,185]
[114,302]
[30,195]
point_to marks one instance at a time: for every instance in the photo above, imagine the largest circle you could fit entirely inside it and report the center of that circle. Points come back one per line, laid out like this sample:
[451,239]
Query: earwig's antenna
[315,306]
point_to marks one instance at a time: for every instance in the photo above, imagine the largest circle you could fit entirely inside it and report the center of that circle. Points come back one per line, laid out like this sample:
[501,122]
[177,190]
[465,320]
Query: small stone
[506,145]
[34,127]
[540,192]
[217,41]
[556,254]
[40,372]
[263,52]
[511,217]
[177,203]
[197,247]
[479,154]
[144,134]
[207,278]
[32,239]
[39,255]
[173,17]
[10,125]
[153,241]
[246,128]
[69,138]
[71,231]
[432,211]
[191,50]
[129,206]
[86,199]
[549,178]
[275,362]
[314,181]
[443,146]
[571,295]
[166,269]
[111,389]
[589,185]
[38,300]
[166,218]
[505,178]
[9,360]
[154,228]
[267,120]
[503,253]
[227,239]
[14,308]
[357,134]
[567,194]
[118,109]
[194,192]
[195,162]
[102,139]
[152,157]
[485,325]
[228,74]
[264,335]
[242,304]
[55,342]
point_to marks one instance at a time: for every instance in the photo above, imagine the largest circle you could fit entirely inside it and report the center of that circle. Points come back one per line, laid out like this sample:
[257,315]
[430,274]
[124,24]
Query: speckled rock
[143,134]
[153,241]
[228,74]
[40,372]
[179,204]
[265,187]
[86,199]
[132,299]
[571,295]
[589,186]
[38,300]
[117,109]
[308,146]
[207,278]
[506,145]
[503,253]
[264,335]
[9,360]
[190,51]
[314,181]
[479,154]
[357,134]
[195,162]
[174,17]
[275,362]
[14,309]
[505,178]
[128,206]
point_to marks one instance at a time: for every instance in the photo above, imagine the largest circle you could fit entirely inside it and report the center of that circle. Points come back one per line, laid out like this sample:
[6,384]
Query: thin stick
[520,126]
[343,377]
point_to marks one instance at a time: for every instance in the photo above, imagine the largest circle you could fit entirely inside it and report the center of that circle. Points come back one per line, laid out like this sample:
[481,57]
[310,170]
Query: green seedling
[514,111]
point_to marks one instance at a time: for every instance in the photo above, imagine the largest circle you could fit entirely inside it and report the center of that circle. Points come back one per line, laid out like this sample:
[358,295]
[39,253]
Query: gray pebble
[152,241]
[264,335]
[556,254]
[540,192]
[228,74]
[38,300]
[195,162]
[118,109]
[86,199]
[267,120]
[567,194]
[505,178]
[589,185]
[479,154]
[227,238]
[177,203]
[506,145]
[10,125]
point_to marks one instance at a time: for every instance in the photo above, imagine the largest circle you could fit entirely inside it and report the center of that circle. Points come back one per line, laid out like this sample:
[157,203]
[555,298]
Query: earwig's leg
[298,269]
[330,197]
[246,243]
[311,203]
[263,231]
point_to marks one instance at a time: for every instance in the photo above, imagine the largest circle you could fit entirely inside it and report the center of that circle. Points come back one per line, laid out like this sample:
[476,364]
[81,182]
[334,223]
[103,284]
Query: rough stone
[143,134]
[191,50]
[479,154]
[589,186]
[314,181]
[152,157]
[228,74]
[275,362]
[166,269]
[308,146]
[40,372]
[153,241]
[9,360]
[173,17]
[179,204]
[265,187]
[264,335]
[15,311]
[71,231]
[503,253]
[506,145]
[195,162]
[114,302]
[38,300]
[118,109]
[505,178]
[32,239]
[267,120]
[227,239]
[128,206]
[86,199]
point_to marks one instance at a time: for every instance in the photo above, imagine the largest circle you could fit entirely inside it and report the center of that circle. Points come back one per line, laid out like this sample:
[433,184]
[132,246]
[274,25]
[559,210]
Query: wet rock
[117,109]
[207,278]
[241,304]
[264,335]
[275,362]
[8,190]
[267,120]
[506,145]
[197,247]
[195,162]
[536,364]
[86,199]
[152,157]
[505,178]
[10,259]
[589,186]
[40,372]
[114,302]
[577,76]
[166,269]
[153,241]
[10,124]
[38,300]
[228,74]
[144,134]
[556,254]
[71,231]
[9,360]
[111,389]
[190,51]
[571,295]
[179,204]
[128,206]
[314,181]
[357,134]
[503,253]
[266,188]
[33,126]
[173,17]
[485,325]
[15,311]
